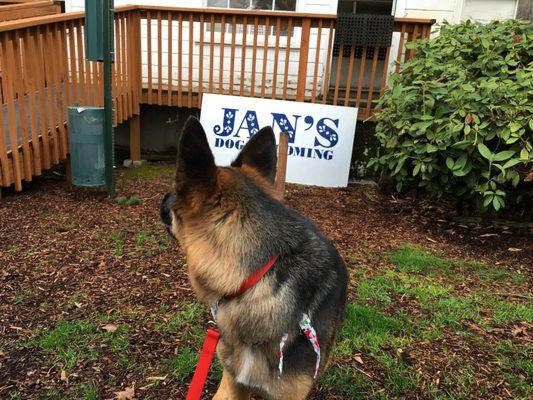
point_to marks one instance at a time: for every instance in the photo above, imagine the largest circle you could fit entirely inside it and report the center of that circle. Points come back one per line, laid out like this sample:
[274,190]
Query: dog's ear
[260,154]
[195,161]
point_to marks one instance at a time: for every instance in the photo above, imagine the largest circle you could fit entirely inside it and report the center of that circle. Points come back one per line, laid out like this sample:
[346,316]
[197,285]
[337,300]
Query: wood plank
[329,58]
[31,89]
[65,73]
[254,58]
[33,10]
[303,60]
[383,81]
[287,58]
[221,47]
[338,74]
[169,61]
[159,61]
[7,94]
[276,58]
[243,54]
[232,53]
[360,79]
[349,76]
[265,57]
[317,59]
[372,80]
[149,56]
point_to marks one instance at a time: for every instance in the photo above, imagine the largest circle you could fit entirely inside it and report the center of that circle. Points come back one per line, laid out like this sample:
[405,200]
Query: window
[275,5]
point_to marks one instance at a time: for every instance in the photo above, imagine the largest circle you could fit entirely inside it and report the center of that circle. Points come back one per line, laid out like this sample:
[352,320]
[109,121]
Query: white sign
[320,136]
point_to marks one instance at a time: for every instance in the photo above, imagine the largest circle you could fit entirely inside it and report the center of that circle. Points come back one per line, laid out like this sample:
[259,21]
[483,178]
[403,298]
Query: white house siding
[304,6]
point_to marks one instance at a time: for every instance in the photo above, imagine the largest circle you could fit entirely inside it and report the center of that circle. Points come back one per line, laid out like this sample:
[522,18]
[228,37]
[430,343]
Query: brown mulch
[58,261]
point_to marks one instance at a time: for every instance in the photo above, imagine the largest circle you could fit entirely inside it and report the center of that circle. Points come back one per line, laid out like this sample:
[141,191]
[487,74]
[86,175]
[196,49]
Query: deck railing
[172,56]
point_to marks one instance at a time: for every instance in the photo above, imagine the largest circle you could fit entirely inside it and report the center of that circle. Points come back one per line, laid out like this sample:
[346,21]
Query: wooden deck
[172,56]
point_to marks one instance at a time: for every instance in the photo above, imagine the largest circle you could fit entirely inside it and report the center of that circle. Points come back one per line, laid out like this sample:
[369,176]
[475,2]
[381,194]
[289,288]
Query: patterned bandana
[310,334]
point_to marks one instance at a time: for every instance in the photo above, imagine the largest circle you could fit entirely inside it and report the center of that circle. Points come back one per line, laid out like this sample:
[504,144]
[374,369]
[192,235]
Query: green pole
[108,101]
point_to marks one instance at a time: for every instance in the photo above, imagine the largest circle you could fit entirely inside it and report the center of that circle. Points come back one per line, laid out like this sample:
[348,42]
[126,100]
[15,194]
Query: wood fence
[172,56]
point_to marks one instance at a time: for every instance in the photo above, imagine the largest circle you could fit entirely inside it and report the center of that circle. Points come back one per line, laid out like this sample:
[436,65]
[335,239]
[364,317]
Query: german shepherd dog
[230,224]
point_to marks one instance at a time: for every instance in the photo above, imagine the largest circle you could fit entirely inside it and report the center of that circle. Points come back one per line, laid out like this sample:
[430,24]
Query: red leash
[202,368]
[213,335]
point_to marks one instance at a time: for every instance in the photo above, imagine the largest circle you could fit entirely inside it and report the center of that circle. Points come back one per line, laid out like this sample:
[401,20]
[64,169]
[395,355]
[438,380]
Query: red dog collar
[254,278]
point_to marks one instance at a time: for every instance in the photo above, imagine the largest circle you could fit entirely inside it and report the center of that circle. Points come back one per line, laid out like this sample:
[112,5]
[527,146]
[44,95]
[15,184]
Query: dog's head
[205,194]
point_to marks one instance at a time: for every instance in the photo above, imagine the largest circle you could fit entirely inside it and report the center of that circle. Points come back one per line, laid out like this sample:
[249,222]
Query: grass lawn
[94,297]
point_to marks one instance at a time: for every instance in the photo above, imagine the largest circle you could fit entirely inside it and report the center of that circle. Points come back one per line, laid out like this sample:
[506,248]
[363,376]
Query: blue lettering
[327,132]
[228,122]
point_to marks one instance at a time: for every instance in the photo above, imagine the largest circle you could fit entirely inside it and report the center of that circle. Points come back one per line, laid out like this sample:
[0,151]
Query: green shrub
[457,119]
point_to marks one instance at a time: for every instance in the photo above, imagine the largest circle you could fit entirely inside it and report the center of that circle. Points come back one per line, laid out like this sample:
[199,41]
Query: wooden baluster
[84,93]
[383,81]
[56,71]
[400,48]
[232,53]
[50,83]
[317,60]
[30,81]
[180,63]
[201,61]
[149,55]
[40,87]
[287,59]
[243,54]
[159,61]
[221,64]
[372,79]
[126,110]
[349,75]
[73,63]
[16,71]
[169,62]
[329,57]
[276,58]
[8,94]
[360,79]
[338,73]
[191,43]
[211,52]
[254,58]
[265,57]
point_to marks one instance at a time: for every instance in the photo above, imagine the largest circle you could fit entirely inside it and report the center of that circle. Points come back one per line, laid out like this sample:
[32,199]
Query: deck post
[135,137]
[303,59]
[281,170]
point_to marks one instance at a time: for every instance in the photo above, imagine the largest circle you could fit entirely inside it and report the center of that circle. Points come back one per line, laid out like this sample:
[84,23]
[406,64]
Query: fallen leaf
[431,240]
[359,359]
[64,375]
[488,235]
[514,249]
[519,331]
[126,394]
[110,327]
[156,378]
